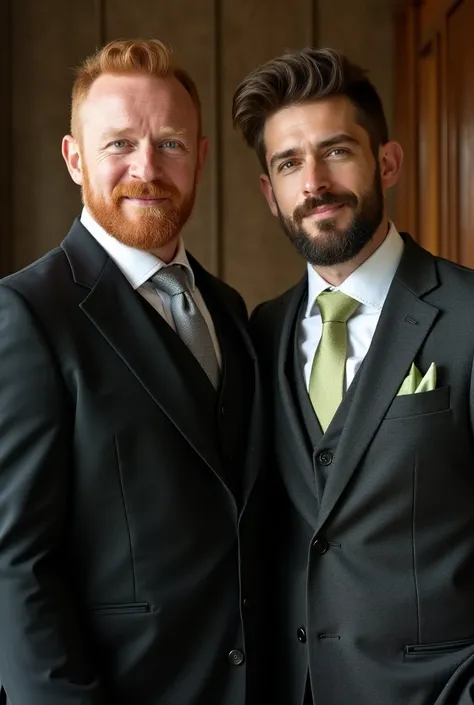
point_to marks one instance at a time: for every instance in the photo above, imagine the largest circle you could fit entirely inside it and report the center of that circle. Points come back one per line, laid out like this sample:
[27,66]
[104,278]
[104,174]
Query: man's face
[138,157]
[324,183]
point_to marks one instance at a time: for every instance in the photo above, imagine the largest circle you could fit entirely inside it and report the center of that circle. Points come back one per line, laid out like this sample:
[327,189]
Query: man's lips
[147,200]
[325,211]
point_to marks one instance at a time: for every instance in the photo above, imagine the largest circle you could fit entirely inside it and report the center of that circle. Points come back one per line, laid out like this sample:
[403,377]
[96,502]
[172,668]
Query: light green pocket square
[414,383]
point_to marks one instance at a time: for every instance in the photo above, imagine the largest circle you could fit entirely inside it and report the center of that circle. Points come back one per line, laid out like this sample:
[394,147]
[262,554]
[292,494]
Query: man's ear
[72,157]
[267,190]
[391,161]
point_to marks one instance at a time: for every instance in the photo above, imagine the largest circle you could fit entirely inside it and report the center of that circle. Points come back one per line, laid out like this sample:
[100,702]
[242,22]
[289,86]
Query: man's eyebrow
[126,131]
[173,132]
[113,134]
[341,138]
[285,154]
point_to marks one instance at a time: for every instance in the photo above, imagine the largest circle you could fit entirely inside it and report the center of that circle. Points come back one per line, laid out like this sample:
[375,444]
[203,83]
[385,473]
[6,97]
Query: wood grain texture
[6,232]
[49,38]
[218,41]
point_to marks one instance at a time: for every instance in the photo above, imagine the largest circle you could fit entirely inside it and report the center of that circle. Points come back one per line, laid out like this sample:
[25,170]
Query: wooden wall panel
[218,41]
[405,120]
[189,27]
[460,70]
[444,121]
[364,31]
[48,39]
[429,150]
[257,259]
[6,239]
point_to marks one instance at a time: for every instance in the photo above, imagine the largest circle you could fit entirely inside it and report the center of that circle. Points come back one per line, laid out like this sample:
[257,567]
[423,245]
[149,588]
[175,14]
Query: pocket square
[414,383]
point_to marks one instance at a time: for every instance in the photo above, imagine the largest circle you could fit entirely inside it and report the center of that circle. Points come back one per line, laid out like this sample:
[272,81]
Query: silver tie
[188,319]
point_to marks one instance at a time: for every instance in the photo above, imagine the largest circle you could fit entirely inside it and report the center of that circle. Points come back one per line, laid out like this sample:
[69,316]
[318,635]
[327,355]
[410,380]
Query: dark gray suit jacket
[128,493]
[374,523]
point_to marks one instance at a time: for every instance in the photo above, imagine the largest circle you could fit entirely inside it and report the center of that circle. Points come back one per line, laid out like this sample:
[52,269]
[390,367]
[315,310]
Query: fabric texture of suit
[374,520]
[128,493]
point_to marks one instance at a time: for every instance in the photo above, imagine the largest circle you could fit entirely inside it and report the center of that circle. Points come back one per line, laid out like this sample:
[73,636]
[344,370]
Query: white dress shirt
[138,266]
[368,284]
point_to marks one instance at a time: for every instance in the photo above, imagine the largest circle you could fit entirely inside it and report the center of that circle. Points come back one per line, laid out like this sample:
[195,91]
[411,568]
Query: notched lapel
[289,411]
[404,324]
[114,309]
[225,317]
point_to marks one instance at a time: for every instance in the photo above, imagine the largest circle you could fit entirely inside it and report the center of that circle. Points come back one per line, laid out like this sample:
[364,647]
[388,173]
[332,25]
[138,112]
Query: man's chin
[325,234]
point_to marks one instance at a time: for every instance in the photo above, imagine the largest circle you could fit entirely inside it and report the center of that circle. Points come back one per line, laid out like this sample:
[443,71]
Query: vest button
[301,635]
[320,545]
[325,457]
[236,657]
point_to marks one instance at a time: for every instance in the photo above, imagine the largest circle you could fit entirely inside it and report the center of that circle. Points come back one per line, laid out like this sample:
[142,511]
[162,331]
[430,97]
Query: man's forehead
[327,113]
[313,123]
[115,89]
[121,99]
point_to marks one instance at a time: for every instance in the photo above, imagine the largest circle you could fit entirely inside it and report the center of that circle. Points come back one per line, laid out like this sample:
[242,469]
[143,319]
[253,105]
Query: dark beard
[332,246]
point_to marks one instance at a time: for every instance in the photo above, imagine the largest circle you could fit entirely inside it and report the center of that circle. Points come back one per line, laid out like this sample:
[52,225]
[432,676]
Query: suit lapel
[287,405]
[114,309]
[404,324]
[225,319]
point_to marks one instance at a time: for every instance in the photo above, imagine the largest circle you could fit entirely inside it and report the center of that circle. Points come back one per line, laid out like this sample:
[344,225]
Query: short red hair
[128,56]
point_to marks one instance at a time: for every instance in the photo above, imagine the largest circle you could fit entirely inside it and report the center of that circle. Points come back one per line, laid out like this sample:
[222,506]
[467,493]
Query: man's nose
[146,164]
[316,178]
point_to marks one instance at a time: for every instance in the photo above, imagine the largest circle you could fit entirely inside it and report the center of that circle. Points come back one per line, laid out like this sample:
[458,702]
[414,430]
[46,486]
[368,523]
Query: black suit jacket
[127,493]
[375,586]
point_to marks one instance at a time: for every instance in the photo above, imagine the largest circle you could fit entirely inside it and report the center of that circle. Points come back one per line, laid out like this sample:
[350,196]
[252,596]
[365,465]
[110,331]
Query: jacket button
[325,457]
[301,635]
[320,545]
[236,657]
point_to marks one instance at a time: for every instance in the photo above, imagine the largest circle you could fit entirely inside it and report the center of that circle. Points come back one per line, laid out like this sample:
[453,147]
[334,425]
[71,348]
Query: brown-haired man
[368,364]
[129,424]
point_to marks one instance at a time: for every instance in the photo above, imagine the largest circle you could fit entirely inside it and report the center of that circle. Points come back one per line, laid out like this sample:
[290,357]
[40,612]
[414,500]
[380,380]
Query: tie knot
[336,306]
[172,280]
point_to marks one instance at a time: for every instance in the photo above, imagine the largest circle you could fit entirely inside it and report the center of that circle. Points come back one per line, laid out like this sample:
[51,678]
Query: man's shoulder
[446,268]
[37,274]
[268,319]
[274,309]
[454,271]
[54,273]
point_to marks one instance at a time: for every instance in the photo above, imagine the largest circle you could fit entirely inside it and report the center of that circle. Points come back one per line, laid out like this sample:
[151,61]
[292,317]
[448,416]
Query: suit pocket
[122,608]
[421,403]
[415,651]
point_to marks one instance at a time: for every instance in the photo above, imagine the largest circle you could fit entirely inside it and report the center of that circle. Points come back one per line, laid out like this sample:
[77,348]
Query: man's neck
[338,273]
[168,252]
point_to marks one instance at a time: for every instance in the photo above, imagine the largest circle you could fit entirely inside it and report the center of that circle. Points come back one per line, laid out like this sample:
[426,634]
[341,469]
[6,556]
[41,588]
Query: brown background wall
[219,41]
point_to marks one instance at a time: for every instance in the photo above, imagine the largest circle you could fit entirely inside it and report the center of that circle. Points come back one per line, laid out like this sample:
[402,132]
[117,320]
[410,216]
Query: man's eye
[171,144]
[339,152]
[118,144]
[287,165]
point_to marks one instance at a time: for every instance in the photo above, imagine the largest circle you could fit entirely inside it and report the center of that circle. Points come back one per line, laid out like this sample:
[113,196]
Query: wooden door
[435,69]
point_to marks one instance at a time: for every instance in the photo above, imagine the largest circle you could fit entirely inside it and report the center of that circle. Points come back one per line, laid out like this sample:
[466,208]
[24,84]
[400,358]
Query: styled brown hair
[128,56]
[298,77]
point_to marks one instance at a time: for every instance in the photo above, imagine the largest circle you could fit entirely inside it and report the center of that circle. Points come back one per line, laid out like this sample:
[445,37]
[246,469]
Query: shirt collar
[369,283]
[136,265]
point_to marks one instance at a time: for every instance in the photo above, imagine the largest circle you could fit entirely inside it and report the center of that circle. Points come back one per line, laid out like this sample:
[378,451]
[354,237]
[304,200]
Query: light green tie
[326,383]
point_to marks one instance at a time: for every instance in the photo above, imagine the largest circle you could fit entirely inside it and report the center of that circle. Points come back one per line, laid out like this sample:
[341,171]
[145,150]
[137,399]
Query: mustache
[151,189]
[328,199]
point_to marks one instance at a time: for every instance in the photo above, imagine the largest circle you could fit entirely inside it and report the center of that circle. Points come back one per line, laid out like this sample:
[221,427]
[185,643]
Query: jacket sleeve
[43,651]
